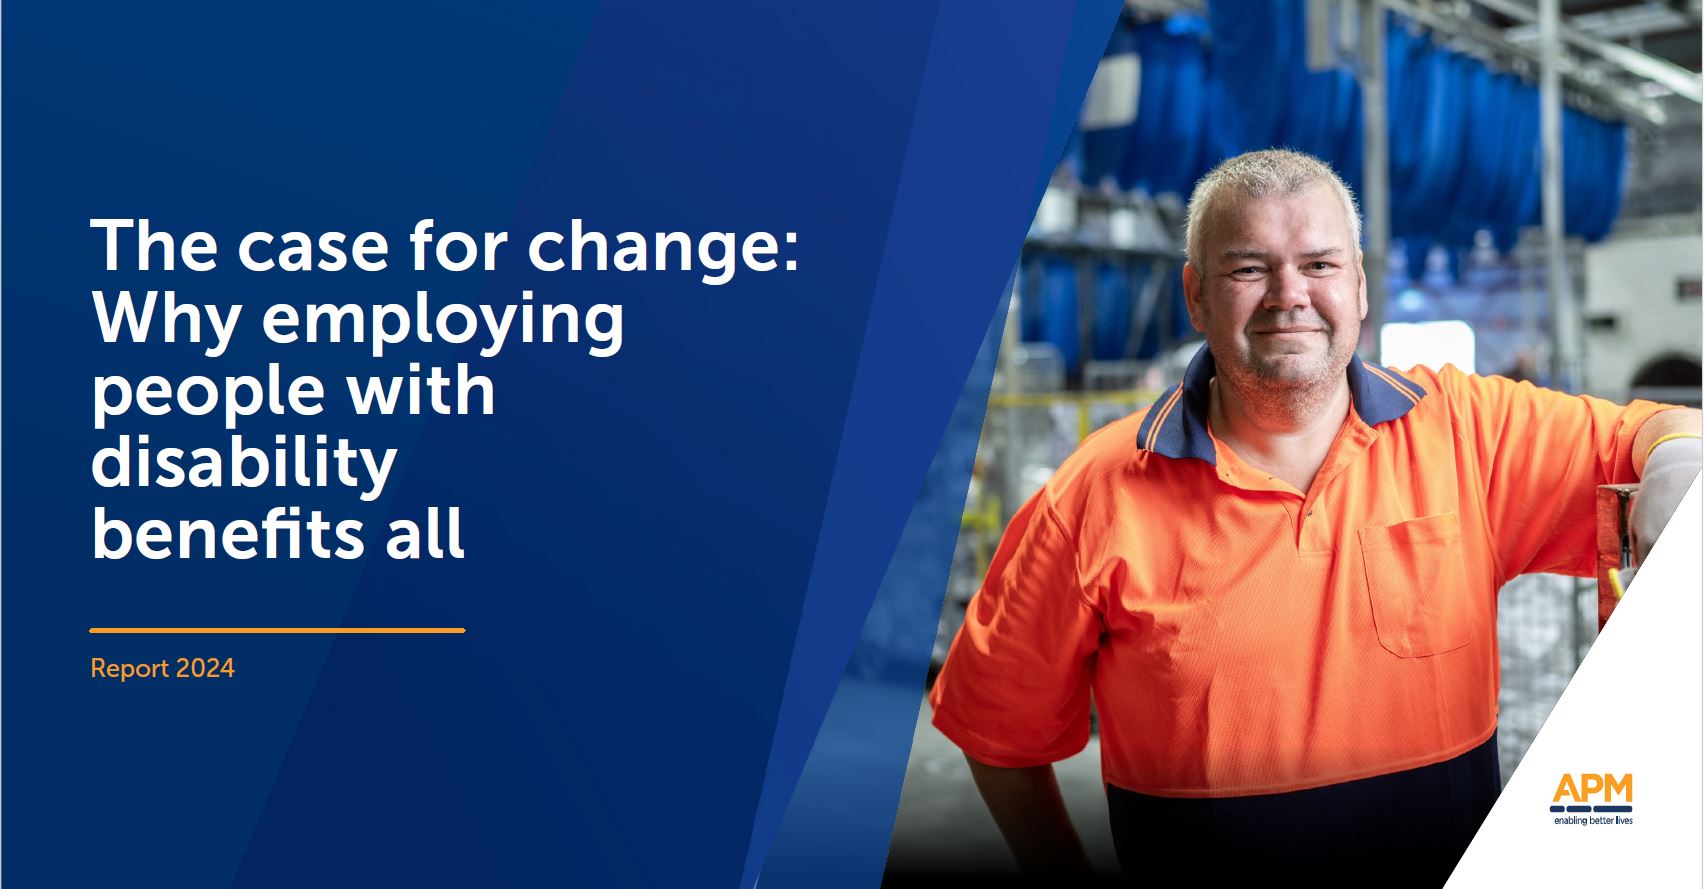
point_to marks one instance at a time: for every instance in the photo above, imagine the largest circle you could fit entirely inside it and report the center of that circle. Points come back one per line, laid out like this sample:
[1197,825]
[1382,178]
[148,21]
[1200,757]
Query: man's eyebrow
[1257,253]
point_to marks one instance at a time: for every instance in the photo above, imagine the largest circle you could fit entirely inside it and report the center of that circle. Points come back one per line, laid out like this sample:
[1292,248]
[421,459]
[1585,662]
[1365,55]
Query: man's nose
[1287,288]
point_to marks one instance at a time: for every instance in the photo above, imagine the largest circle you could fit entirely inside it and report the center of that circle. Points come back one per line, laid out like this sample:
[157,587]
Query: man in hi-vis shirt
[1279,581]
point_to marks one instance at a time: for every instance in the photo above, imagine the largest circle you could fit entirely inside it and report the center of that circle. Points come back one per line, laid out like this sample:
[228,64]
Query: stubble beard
[1293,385]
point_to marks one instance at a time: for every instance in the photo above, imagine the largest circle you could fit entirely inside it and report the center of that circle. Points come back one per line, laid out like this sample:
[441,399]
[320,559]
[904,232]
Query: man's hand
[1664,476]
[1032,817]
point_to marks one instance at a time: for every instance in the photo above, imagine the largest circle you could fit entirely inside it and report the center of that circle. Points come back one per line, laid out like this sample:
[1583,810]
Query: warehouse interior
[1530,176]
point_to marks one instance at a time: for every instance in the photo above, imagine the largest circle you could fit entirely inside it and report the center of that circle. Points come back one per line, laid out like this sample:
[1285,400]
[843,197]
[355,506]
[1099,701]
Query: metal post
[1006,451]
[1321,54]
[1529,308]
[1375,174]
[1564,318]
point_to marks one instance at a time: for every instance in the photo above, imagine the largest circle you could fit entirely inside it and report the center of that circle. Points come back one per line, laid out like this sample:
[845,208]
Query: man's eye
[1247,271]
[1320,265]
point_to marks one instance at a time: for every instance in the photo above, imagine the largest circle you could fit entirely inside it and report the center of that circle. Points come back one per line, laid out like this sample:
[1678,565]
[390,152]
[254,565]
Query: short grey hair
[1257,174]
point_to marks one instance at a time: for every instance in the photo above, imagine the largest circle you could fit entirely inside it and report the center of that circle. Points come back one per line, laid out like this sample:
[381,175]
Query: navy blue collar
[1378,394]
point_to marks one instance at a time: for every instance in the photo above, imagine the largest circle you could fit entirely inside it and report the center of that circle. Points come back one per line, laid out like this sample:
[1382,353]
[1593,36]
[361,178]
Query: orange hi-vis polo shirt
[1242,637]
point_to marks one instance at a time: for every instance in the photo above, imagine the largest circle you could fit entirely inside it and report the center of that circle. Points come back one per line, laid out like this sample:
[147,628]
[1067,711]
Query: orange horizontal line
[279,630]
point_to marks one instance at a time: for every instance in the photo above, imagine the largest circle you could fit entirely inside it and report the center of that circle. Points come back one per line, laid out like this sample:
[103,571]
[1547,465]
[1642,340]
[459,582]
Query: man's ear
[1192,296]
[1361,269]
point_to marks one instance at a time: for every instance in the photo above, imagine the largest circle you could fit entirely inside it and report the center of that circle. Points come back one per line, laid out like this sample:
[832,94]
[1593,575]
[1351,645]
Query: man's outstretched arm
[1666,471]
[1031,814]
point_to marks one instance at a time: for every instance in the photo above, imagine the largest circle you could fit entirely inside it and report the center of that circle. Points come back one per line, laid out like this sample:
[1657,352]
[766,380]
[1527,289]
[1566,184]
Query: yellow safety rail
[986,517]
[1082,400]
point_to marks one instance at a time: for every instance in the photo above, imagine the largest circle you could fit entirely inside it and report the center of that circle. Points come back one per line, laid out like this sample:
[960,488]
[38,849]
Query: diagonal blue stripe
[987,133]
[839,823]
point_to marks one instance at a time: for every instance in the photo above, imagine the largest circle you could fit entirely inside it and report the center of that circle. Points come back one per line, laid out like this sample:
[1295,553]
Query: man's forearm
[1678,421]
[1667,454]
[1031,814]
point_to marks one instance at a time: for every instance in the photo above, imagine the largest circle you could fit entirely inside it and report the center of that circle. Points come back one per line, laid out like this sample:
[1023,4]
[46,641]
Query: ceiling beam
[1589,82]
[1676,79]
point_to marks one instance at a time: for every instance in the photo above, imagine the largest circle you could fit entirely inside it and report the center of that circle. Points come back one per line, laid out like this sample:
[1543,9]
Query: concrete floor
[943,828]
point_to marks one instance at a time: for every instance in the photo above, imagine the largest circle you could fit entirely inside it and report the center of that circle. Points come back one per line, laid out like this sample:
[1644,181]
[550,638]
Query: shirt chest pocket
[1416,584]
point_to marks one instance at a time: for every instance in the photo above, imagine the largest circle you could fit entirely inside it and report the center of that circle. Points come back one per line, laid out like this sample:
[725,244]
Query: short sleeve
[1541,456]
[1014,691]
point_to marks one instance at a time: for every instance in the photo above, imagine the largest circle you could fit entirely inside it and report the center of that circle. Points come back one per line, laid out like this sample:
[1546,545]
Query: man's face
[1280,293]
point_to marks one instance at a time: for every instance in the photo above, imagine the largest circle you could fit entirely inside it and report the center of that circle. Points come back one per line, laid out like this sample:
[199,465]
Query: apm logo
[1583,792]
[1590,783]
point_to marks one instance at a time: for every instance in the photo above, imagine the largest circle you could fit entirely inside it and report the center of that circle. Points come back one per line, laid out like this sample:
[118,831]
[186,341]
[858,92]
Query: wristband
[1670,437]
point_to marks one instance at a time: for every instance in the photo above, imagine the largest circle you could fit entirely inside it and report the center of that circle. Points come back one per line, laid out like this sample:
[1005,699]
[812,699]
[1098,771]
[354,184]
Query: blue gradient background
[671,553]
